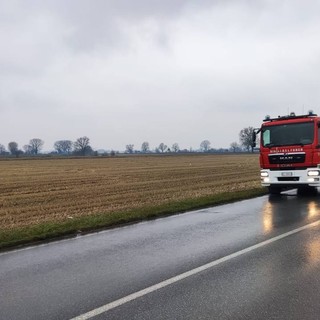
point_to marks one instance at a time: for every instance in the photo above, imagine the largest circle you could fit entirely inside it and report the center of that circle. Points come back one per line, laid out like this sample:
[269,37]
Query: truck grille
[288,179]
[287,158]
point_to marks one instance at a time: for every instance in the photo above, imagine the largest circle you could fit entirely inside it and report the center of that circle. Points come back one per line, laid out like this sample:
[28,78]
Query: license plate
[286,174]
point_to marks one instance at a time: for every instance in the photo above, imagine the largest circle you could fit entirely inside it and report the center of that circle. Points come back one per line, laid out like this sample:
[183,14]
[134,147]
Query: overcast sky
[128,71]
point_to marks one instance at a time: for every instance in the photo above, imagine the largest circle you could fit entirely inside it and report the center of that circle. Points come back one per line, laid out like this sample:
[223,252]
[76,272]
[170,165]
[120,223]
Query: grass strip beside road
[81,225]
[50,198]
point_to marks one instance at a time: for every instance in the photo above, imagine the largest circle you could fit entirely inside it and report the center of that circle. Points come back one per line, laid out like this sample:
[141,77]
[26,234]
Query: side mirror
[254,137]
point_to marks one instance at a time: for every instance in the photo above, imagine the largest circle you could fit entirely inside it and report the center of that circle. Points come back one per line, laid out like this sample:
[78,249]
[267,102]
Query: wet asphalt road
[279,280]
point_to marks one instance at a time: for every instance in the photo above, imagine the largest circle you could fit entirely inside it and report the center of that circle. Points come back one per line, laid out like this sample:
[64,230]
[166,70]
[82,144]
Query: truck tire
[307,190]
[274,190]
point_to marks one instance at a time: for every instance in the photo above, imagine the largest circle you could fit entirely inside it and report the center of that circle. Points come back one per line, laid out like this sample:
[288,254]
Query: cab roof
[291,116]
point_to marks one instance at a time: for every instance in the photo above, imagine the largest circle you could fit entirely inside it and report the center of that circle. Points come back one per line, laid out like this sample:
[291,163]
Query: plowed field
[34,191]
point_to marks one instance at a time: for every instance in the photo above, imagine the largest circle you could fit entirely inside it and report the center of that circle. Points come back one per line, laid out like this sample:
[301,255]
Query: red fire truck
[290,152]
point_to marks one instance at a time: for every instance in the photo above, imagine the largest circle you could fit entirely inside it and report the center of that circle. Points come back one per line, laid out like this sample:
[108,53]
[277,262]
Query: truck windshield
[288,134]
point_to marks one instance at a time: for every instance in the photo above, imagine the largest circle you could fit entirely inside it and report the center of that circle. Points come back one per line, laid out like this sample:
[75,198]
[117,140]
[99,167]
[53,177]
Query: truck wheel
[307,190]
[274,190]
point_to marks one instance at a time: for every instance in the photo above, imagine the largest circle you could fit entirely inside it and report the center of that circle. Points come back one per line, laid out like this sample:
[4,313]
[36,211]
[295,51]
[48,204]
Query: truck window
[288,134]
[266,137]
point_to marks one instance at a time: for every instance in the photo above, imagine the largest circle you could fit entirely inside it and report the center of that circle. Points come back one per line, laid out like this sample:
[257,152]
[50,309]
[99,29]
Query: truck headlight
[313,173]
[264,174]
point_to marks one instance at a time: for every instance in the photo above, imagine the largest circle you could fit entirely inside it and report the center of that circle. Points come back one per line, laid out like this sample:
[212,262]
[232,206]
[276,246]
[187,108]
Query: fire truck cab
[290,152]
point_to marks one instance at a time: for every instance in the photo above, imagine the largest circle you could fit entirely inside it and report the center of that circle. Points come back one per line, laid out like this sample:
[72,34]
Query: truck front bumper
[291,178]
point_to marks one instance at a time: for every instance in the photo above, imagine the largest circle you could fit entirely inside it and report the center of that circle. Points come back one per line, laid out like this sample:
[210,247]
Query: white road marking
[187,274]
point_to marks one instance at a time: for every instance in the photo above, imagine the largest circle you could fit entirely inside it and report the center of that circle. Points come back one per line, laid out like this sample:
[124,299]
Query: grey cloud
[96,23]
[165,71]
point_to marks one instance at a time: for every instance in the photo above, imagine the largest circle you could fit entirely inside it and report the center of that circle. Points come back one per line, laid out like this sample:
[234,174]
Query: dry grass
[55,190]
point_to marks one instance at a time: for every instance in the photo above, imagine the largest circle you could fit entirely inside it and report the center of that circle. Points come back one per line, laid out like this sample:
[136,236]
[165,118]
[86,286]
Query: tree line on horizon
[81,147]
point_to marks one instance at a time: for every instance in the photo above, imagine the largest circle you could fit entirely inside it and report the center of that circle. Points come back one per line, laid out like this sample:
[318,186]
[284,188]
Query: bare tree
[205,145]
[13,148]
[145,147]
[129,148]
[27,149]
[175,147]
[63,146]
[234,146]
[246,138]
[2,149]
[162,147]
[36,145]
[82,146]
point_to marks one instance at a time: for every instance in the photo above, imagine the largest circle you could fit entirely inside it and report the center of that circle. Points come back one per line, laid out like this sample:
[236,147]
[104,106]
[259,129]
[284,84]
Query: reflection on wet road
[287,209]
[276,281]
